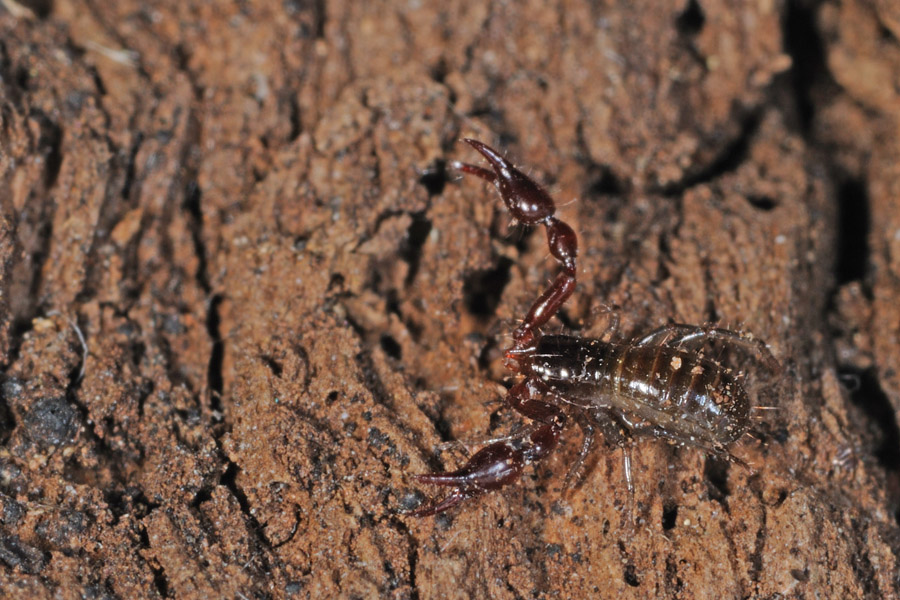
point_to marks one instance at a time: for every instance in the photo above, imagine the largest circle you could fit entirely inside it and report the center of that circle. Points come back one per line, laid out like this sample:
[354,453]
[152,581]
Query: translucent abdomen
[659,389]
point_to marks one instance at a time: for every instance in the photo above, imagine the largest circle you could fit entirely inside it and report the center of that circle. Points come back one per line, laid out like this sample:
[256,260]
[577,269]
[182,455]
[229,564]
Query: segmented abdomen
[675,393]
[698,395]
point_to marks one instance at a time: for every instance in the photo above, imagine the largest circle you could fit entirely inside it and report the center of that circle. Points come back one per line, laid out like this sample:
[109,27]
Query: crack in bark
[756,557]
[160,582]
[727,161]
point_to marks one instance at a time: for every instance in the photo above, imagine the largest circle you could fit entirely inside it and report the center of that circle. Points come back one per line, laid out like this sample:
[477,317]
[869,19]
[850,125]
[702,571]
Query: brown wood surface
[287,303]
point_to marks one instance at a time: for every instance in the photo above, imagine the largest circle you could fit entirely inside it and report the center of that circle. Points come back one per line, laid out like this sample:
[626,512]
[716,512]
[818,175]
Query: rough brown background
[288,304]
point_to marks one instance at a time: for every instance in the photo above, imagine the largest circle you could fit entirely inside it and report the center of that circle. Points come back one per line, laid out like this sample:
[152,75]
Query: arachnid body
[662,384]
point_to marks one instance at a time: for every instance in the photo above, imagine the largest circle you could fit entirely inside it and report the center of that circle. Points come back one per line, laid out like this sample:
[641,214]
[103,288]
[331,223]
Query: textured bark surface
[241,299]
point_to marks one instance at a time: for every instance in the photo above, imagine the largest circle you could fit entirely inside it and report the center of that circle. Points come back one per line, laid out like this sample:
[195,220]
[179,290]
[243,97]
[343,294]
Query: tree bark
[243,298]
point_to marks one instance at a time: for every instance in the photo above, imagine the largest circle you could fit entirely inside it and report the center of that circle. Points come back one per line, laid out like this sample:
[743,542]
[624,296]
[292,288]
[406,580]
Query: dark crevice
[518,236]
[411,246]
[202,495]
[98,83]
[483,593]
[803,43]
[310,17]
[854,223]
[335,285]
[13,92]
[876,406]
[21,78]
[380,219]
[9,387]
[214,377]
[372,381]
[690,21]
[183,60]
[439,71]
[49,143]
[40,8]
[665,258]
[170,363]
[489,352]
[39,253]
[192,198]
[630,576]
[434,178]
[731,157]
[129,501]
[159,577]
[294,118]
[443,428]
[293,533]
[568,323]
[228,480]
[390,346]
[710,311]
[482,290]
[675,584]
[669,515]
[759,545]
[715,471]
[602,181]
[273,365]
[128,187]
[320,18]
[763,203]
